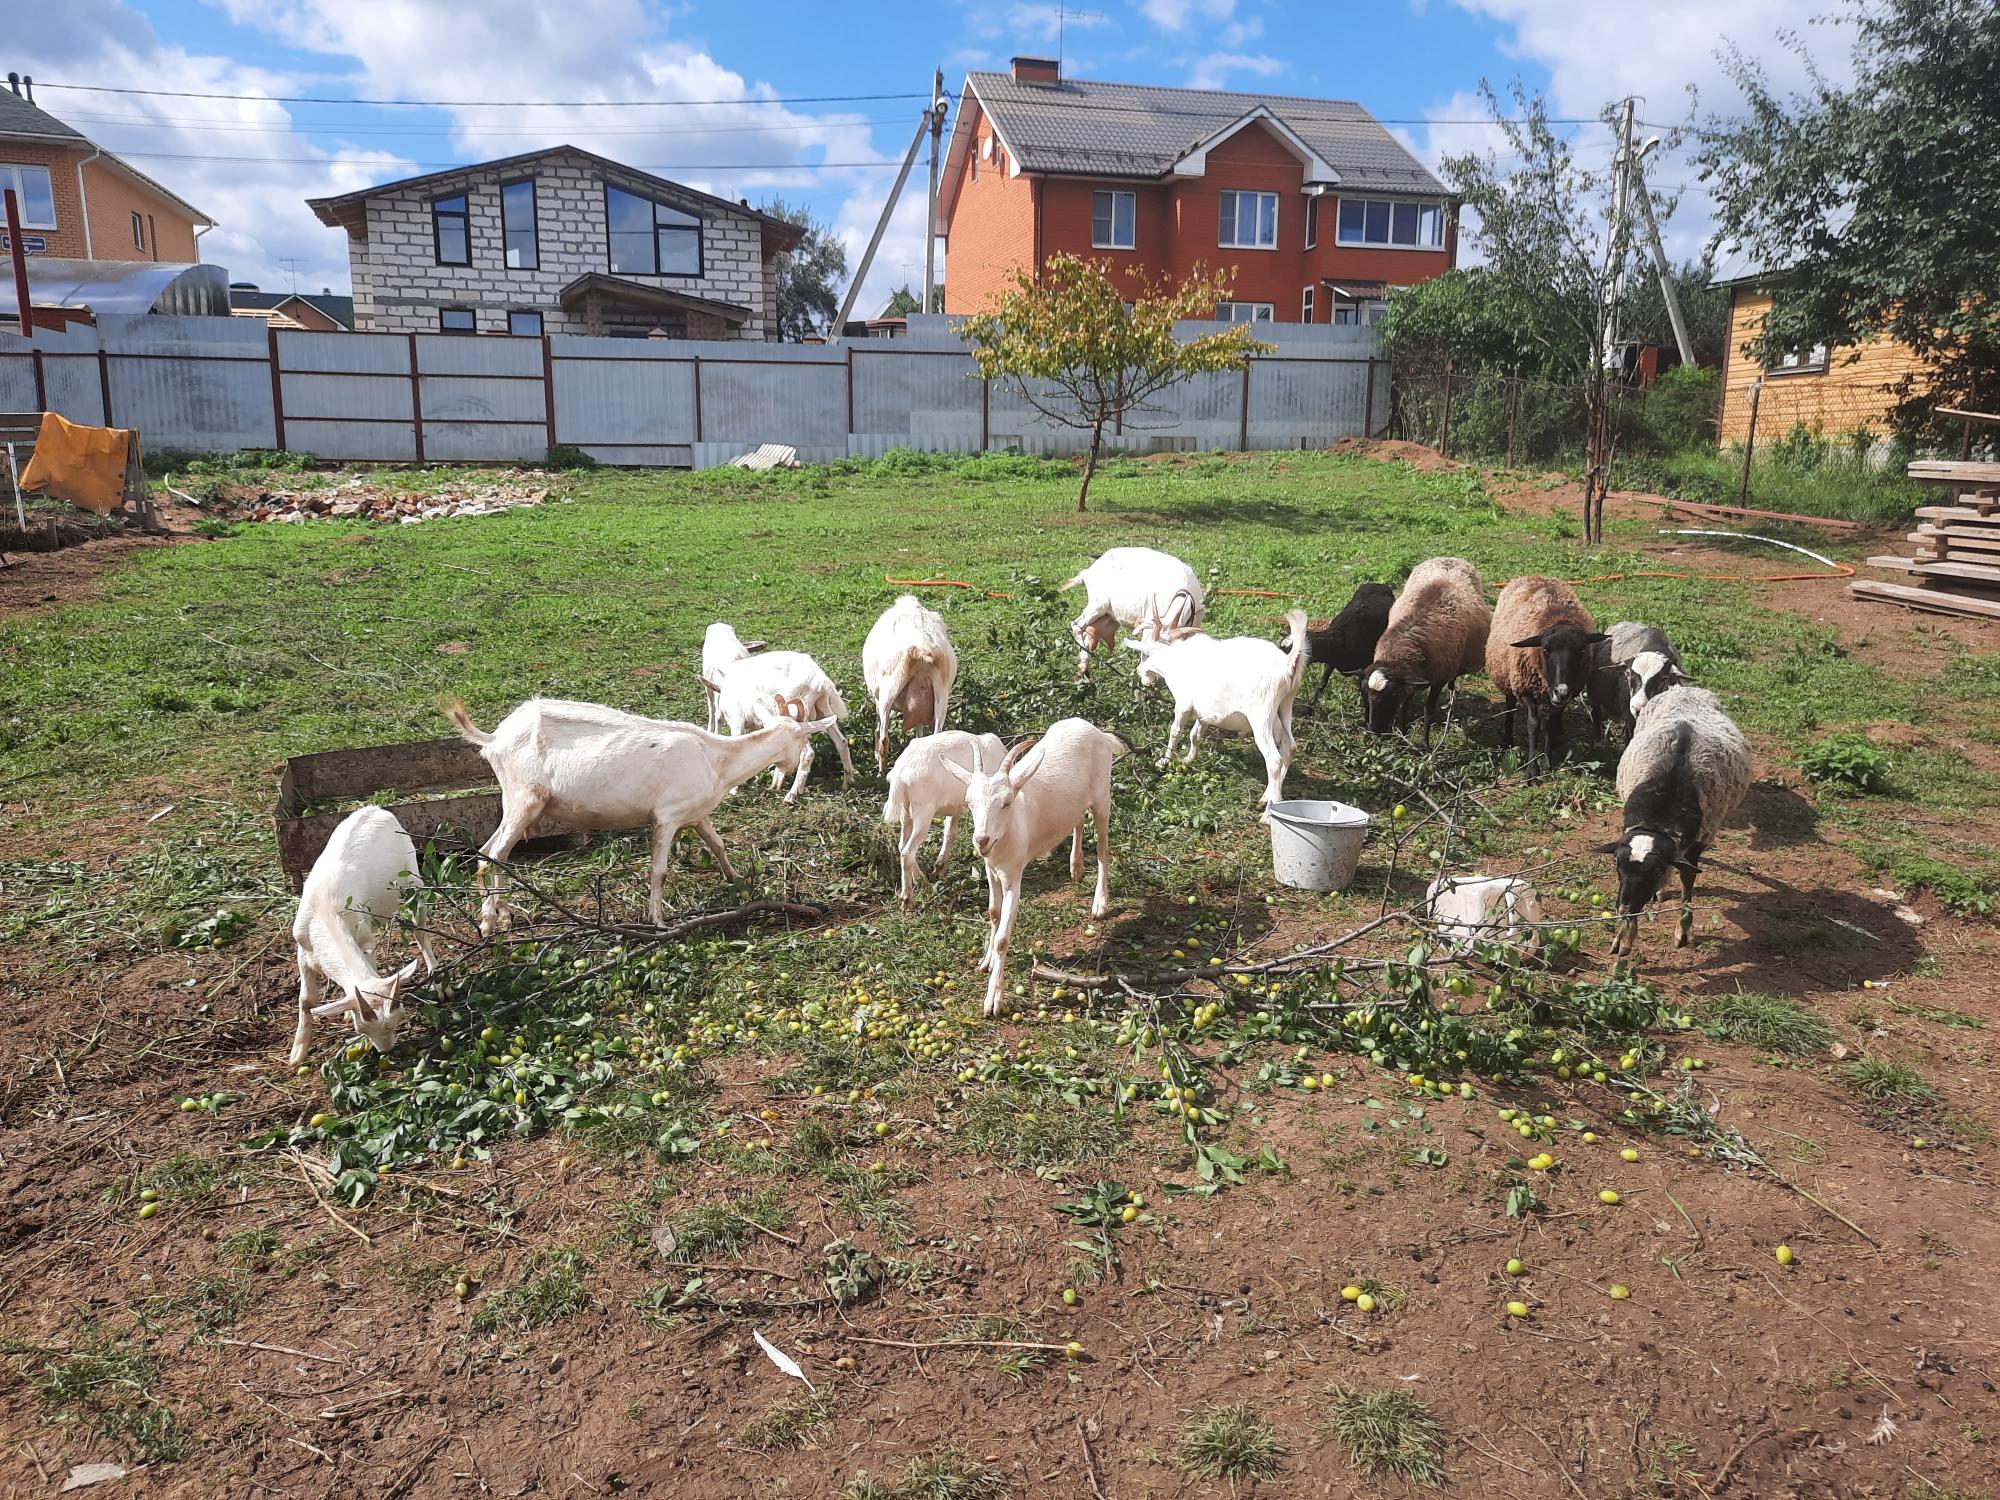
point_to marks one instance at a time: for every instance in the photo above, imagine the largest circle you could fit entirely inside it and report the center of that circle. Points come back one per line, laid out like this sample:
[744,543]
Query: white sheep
[720,645]
[756,692]
[1244,684]
[921,790]
[350,898]
[1020,811]
[1685,771]
[909,666]
[1126,586]
[601,768]
[1473,909]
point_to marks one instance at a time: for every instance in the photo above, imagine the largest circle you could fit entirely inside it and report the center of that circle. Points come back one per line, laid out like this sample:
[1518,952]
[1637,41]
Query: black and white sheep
[1632,663]
[1346,643]
[1435,635]
[1538,653]
[1686,770]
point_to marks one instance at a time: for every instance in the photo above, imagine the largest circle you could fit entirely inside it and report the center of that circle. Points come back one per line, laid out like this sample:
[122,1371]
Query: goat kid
[909,665]
[747,691]
[1244,685]
[720,645]
[922,789]
[601,768]
[1021,810]
[350,898]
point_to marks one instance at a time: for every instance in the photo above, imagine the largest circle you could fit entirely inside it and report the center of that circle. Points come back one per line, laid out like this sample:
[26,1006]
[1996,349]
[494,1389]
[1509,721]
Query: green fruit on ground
[1515,1268]
[147,1210]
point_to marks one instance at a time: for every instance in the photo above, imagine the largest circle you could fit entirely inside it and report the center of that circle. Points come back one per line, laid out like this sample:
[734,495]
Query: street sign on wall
[31,244]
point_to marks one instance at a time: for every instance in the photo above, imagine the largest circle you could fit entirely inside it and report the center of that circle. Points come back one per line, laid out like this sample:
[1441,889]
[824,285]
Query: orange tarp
[83,465]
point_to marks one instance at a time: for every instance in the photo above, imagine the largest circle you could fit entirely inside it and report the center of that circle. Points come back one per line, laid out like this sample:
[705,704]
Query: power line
[105,88]
[341,128]
[445,166]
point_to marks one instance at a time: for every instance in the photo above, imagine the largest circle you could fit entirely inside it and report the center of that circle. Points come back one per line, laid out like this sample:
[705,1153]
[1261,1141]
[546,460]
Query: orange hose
[941,583]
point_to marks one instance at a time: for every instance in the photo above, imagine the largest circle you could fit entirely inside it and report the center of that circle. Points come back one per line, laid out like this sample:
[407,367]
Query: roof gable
[1194,163]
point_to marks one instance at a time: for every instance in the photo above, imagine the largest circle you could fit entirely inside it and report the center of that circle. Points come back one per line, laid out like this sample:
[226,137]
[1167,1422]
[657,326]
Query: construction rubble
[378,498]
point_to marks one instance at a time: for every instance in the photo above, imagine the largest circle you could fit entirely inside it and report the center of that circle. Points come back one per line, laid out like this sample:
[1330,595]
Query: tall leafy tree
[809,275]
[903,302]
[1704,308]
[1877,200]
[1083,349]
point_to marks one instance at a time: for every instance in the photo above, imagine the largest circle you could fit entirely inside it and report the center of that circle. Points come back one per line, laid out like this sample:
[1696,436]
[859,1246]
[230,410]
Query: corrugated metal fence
[207,385]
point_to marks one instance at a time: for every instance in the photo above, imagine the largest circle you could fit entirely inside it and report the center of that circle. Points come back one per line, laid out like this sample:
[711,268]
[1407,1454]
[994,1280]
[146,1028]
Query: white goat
[1472,909]
[721,645]
[1244,684]
[1021,810]
[349,900]
[909,666]
[1128,586]
[757,692]
[596,767]
[921,790]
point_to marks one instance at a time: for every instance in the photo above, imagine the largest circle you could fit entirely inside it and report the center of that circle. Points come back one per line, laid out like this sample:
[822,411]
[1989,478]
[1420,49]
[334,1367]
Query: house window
[1306,306]
[648,238]
[517,225]
[1243,312]
[1383,221]
[456,320]
[1312,222]
[526,324]
[1249,221]
[37,196]
[1801,362]
[1111,220]
[451,231]
[138,231]
[977,152]
[1355,314]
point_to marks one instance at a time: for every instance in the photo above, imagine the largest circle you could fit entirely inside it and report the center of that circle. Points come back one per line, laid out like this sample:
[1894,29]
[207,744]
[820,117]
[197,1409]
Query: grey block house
[558,241]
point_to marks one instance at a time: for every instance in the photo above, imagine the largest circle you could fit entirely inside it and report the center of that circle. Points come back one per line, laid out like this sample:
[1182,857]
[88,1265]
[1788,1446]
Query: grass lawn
[596,1144]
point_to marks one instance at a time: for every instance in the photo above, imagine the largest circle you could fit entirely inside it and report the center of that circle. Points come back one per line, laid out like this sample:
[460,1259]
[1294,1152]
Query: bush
[1846,760]
[568,456]
[1680,409]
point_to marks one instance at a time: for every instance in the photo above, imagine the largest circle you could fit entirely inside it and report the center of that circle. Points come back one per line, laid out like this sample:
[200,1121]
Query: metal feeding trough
[449,788]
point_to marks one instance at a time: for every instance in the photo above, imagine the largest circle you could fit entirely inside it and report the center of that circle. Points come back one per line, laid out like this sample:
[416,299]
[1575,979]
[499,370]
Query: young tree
[903,302]
[1551,239]
[1877,201]
[1080,353]
[809,274]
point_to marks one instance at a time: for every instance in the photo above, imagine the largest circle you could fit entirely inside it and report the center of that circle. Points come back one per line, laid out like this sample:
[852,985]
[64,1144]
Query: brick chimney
[1041,70]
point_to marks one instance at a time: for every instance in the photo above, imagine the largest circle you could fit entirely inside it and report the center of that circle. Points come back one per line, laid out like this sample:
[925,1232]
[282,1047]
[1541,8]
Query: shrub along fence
[207,385]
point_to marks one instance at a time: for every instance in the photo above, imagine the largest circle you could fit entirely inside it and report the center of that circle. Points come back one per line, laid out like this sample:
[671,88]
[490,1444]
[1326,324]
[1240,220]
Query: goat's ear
[1597,635]
[960,772]
[705,682]
[402,977]
[1524,645]
[753,645]
[335,1007]
[1611,848]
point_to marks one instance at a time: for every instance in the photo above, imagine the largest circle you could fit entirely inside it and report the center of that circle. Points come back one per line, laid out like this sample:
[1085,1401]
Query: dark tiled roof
[19,117]
[1140,130]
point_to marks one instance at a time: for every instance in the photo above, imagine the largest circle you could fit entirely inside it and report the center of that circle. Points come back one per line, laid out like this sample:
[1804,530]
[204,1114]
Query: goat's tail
[897,804]
[1119,749]
[1076,582]
[1295,626]
[466,728]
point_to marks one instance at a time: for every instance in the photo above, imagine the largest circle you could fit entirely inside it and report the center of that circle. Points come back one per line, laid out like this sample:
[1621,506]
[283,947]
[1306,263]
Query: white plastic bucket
[1315,845]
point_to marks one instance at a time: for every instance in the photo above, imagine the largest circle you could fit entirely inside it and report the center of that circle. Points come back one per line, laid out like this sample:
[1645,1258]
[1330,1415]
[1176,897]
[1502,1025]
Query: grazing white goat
[721,645]
[1020,811]
[349,900]
[921,790]
[597,767]
[909,666]
[1127,586]
[1244,684]
[757,692]
[1472,909]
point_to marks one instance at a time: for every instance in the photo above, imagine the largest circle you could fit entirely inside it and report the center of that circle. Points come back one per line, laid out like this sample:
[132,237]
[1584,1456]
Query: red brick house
[1319,210]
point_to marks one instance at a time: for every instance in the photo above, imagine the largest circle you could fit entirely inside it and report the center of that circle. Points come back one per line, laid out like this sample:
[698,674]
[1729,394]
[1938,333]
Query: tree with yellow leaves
[1080,353]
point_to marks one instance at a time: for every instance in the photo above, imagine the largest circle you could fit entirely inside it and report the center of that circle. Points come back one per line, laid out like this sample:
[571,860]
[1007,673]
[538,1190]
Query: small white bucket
[1315,845]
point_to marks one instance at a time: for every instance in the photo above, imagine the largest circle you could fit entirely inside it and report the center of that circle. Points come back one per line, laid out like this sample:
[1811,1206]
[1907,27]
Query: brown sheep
[1436,633]
[1539,654]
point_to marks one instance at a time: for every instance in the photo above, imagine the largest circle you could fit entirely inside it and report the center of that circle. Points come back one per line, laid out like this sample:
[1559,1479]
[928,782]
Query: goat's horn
[779,699]
[1017,752]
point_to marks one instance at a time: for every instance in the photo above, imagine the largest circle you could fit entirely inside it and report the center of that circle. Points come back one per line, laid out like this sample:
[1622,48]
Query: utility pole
[1614,253]
[931,208]
[925,122]
[1666,274]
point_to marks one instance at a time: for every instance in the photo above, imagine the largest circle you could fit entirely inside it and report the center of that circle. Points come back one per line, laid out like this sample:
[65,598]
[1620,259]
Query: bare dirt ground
[333,1359]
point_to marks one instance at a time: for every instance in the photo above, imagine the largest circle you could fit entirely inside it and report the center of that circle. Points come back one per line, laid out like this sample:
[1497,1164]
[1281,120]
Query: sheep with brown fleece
[1539,653]
[1436,634]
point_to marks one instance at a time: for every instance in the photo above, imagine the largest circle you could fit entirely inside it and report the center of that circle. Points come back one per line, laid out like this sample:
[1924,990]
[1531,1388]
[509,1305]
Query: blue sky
[251,162]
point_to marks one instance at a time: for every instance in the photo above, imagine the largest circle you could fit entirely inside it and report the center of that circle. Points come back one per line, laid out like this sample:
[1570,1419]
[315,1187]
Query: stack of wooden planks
[1956,562]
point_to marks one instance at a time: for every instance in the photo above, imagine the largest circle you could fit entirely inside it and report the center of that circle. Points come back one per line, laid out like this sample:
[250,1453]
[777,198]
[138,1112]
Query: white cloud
[1175,14]
[1213,70]
[1239,33]
[1045,25]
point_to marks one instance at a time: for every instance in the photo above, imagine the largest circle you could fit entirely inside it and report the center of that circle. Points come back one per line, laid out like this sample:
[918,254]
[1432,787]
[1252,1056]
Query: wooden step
[1955,471]
[1955,541]
[1936,601]
[1959,515]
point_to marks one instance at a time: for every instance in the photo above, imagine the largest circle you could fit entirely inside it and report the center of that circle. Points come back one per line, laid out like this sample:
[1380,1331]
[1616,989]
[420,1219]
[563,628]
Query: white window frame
[1233,312]
[1131,222]
[1390,242]
[1811,361]
[1313,201]
[1306,304]
[1234,197]
[10,177]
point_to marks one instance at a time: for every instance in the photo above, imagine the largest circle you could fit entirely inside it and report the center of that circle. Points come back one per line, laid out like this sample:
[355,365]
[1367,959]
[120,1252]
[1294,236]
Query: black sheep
[1346,643]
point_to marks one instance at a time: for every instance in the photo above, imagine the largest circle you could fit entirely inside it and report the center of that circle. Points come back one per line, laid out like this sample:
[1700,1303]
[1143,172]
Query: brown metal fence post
[850,390]
[103,378]
[1750,441]
[41,383]
[697,398]
[1368,403]
[1513,418]
[985,413]
[1243,441]
[549,390]
[416,400]
[1444,421]
[277,389]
